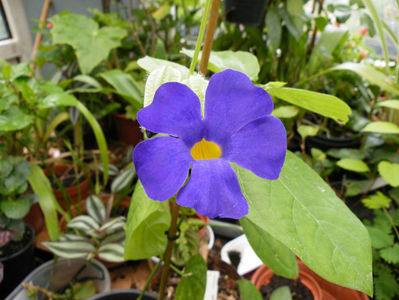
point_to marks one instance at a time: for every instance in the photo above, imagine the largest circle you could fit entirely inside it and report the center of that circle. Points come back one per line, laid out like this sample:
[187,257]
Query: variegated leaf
[123,180]
[84,223]
[96,209]
[113,225]
[113,252]
[116,237]
[71,249]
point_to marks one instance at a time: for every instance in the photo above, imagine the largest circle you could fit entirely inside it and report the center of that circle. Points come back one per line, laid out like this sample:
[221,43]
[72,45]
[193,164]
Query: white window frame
[19,46]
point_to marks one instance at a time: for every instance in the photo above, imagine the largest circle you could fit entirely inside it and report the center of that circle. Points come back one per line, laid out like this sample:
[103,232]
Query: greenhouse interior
[199,149]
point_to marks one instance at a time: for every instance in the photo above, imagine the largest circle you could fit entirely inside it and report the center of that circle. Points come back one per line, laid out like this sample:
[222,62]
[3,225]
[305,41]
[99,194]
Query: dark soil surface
[298,291]
[14,246]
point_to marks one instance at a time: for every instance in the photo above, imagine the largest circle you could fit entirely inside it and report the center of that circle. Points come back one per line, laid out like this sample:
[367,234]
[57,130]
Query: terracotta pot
[72,191]
[331,290]
[128,130]
[263,275]
[35,218]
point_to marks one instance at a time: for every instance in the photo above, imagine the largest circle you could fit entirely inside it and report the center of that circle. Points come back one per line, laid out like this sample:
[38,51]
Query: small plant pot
[128,130]
[333,291]
[246,12]
[263,276]
[55,277]
[35,218]
[131,294]
[18,264]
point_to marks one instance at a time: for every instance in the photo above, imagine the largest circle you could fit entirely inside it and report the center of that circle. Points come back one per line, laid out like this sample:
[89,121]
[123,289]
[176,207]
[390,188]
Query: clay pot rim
[264,274]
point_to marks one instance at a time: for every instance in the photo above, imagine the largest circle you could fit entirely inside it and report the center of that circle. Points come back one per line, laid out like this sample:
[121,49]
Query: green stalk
[200,36]
[149,279]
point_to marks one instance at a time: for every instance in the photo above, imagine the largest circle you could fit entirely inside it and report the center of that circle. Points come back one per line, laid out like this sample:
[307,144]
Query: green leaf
[386,286]
[307,130]
[248,290]
[379,237]
[329,40]
[193,282]
[95,208]
[325,105]
[354,165]
[285,112]
[242,61]
[394,104]
[48,204]
[300,210]
[273,25]
[91,43]
[371,75]
[14,119]
[317,154]
[391,254]
[64,99]
[346,153]
[85,290]
[376,201]
[271,251]
[281,293]
[84,223]
[71,249]
[15,209]
[390,172]
[113,252]
[146,225]
[125,86]
[88,80]
[381,127]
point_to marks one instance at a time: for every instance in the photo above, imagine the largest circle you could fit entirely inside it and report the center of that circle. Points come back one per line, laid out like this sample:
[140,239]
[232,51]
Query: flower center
[205,150]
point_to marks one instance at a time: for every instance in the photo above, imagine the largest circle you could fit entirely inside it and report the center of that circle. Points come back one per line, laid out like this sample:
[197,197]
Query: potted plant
[16,238]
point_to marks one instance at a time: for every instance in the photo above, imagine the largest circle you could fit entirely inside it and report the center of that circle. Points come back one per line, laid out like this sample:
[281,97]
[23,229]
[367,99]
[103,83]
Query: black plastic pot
[123,295]
[325,143]
[17,265]
[246,12]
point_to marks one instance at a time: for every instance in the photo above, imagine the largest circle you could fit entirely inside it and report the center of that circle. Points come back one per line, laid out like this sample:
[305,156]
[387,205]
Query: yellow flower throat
[205,150]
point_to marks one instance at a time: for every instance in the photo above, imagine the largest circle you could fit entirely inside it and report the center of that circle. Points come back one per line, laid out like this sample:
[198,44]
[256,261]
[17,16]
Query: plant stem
[149,279]
[168,252]
[392,222]
[210,31]
[200,36]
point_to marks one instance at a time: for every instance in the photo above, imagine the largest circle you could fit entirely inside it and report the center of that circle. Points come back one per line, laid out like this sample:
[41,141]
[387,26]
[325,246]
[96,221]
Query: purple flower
[237,128]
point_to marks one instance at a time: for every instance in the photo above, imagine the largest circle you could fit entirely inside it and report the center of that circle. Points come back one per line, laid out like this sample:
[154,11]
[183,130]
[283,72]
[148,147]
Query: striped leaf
[123,180]
[116,237]
[84,223]
[113,252]
[73,237]
[113,225]
[71,249]
[96,209]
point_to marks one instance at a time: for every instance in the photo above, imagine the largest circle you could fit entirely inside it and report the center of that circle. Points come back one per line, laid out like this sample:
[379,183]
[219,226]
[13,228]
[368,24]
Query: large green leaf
[14,119]
[193,282]
[48,204]
[325,105]
[146,225]
[91,43]
[125,86]
[242,61]
[371,75]
[271,251]
[303,212]
[149,64]
[394,104]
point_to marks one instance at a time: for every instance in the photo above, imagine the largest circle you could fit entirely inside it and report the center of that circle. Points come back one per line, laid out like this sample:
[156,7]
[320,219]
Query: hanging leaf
[354,165]
[381,127]
[325,105]
[301,211]
[248,290]
[146,225]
